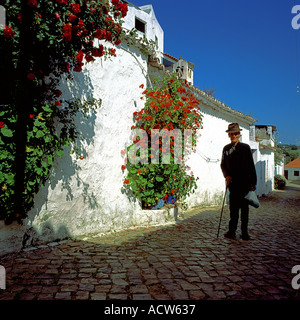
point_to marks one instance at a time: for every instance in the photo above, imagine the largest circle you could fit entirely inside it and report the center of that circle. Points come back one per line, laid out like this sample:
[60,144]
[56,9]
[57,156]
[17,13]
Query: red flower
[72,17]
[8,32]
[123,167]
[112,52]
[122,7]
[89,58]
[30,76]
[126,181]
[100,34]
[118,42]
[31,116]
[32,3]
[142,86]
[165,197]
[75,8]
[79,56]
[78,68]
[58,93]
[172,191]
[67,32]
[98,52]
[2,124]
[64,2]
[57,15]
[57,103]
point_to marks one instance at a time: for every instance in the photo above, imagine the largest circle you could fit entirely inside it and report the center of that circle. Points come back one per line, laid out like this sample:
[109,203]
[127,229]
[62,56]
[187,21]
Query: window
[296,173]
[140,25]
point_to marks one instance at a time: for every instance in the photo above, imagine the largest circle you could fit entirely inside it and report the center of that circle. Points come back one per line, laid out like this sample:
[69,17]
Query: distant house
[292,170]
[262,143]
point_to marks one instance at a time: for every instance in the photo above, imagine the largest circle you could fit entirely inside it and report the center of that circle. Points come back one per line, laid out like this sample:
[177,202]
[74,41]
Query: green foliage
[43,144]
[290,151]
[279,182]
[42,42]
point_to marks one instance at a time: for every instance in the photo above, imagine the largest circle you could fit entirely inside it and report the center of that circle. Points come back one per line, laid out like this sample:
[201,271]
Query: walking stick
[222,210]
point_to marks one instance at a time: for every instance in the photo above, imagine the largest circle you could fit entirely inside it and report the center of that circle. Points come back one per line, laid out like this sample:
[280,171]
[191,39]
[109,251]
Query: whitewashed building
[262,143]
[292,170]
[87,196]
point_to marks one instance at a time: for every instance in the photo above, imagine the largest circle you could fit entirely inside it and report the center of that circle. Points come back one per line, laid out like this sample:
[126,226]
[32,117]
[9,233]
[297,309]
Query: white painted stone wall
[153,29]
[87,196]
[205,162]
[265,170]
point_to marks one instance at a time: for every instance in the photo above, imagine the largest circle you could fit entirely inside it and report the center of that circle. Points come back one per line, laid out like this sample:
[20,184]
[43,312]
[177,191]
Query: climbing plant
[42,42]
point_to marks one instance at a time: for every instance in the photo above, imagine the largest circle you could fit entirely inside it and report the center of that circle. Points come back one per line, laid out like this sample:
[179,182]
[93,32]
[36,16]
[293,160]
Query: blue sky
[245,50]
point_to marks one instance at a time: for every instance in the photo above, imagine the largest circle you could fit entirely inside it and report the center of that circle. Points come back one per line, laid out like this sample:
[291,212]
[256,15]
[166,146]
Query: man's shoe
[229,235]
[245,237]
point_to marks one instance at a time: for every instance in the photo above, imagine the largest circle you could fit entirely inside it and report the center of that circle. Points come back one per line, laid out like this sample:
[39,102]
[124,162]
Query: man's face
[234,136]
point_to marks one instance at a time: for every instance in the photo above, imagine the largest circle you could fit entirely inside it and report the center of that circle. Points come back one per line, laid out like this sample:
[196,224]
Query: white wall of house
[205,162]
[293,173]
[153,30]
[265,170]
[279,169]
[87,196]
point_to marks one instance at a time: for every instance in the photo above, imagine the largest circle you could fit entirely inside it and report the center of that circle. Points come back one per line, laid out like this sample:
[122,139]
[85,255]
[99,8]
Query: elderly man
[239,171]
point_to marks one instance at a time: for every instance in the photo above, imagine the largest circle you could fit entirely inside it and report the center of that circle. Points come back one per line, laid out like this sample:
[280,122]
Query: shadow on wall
[32,237]
[65,168]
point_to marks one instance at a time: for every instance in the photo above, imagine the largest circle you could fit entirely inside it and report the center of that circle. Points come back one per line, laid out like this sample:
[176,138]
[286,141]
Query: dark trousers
[237,203]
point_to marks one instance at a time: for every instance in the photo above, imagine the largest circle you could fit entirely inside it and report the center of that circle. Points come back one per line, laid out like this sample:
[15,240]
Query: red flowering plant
[42,41]
[165,132]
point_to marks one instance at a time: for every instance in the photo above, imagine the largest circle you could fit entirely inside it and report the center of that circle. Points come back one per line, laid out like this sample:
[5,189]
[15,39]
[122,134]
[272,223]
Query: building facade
[292,170]
[86,196]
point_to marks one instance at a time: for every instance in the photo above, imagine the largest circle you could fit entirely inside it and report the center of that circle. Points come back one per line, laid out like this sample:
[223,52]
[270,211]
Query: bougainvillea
[42,41]
[168,108]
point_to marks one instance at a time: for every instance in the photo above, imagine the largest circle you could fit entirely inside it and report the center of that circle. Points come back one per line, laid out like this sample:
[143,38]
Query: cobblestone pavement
[180,261]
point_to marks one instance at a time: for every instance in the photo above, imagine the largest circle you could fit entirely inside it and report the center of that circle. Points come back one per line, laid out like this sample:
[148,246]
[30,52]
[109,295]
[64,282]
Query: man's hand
[228,180]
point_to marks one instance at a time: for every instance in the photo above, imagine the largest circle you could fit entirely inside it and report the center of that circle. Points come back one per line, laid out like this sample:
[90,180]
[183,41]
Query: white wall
[147,15]
[291,175]
[265,170]
[205,163]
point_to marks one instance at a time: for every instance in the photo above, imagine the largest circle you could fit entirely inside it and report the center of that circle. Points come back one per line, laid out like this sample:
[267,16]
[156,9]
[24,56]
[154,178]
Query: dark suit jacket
[237,162]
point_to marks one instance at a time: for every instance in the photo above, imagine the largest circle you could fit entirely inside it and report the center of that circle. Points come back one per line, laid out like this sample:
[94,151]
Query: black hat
[233,127]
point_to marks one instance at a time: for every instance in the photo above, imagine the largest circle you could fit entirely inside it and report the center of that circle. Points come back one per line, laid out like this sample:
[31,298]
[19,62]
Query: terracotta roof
[171,57]
[294,164]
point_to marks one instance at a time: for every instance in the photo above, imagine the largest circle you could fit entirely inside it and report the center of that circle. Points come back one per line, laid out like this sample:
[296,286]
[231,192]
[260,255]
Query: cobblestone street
[180,261]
